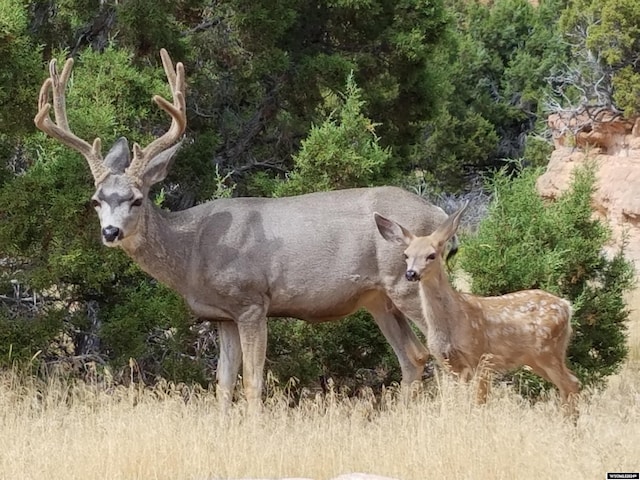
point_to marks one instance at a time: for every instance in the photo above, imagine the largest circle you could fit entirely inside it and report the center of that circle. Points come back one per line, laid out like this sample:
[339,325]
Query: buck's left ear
[159,166]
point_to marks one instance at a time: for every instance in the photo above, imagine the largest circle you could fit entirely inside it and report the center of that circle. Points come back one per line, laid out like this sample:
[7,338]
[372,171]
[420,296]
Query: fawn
[530,327]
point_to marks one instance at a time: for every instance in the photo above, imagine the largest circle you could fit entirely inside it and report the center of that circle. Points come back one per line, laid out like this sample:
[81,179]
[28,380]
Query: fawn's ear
[450,226]
[393,232]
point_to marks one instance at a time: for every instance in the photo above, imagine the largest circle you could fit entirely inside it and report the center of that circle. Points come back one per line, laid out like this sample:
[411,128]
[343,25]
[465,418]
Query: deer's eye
[95,203]
[405,256]
[137,202]
[431,256]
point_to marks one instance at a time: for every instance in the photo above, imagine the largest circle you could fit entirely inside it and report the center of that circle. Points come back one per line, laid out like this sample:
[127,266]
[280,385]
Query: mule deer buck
[238,261]
[530,327]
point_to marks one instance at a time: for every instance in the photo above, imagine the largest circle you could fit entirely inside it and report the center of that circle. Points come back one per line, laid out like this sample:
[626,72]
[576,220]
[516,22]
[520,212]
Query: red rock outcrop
[613,143]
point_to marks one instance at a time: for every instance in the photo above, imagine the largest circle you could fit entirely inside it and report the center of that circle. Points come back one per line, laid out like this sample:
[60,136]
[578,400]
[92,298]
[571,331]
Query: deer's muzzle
[412,276]
[111,233]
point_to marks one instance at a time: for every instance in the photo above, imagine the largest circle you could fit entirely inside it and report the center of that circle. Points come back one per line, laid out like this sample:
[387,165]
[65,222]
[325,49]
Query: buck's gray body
[310,257]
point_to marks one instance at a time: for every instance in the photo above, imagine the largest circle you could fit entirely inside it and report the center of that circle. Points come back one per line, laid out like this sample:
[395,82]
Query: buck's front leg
[412,355]
[228,363]
[252,326]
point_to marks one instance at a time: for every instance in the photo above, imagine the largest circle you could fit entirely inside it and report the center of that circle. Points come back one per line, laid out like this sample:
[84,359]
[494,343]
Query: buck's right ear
[391,231]
[158,167]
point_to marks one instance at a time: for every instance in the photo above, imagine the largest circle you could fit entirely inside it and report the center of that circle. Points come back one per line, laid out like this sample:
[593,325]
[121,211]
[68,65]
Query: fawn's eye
[137,202]
[431,256]
[95,203]
[405,256]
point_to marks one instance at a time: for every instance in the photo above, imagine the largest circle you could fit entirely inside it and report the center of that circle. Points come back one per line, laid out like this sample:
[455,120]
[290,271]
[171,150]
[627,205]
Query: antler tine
[57,84]
[177,111]
[168,68]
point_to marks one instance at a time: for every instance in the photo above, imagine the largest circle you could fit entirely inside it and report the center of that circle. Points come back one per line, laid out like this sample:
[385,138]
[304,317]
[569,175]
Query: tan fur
[530,327]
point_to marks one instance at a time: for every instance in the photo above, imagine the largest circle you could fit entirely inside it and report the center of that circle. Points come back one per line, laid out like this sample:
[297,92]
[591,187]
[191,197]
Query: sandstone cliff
[614,144]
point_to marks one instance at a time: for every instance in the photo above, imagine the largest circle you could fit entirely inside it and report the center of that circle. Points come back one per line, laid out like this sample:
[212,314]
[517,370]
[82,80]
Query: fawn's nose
[110,233]
[412,276]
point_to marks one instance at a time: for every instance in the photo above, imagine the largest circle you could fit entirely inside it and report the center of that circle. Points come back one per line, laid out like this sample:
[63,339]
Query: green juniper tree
[495,68]
[342,152]
[605,38]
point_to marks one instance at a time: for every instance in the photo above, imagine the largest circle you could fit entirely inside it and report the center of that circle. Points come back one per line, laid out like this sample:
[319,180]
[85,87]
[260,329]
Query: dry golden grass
[84,432]
[76,431]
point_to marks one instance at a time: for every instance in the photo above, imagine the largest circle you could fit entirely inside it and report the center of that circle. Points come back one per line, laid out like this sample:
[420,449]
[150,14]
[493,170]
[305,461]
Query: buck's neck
[160,246]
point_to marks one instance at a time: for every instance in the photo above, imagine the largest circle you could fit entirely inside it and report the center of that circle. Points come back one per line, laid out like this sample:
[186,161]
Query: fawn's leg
[564,379]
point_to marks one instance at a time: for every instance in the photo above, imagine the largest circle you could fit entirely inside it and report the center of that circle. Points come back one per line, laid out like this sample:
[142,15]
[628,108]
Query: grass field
[59,430]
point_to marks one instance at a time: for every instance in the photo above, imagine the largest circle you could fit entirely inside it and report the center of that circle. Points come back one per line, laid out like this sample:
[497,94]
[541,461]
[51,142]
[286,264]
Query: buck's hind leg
[412,355]
[228,363]
[252,327]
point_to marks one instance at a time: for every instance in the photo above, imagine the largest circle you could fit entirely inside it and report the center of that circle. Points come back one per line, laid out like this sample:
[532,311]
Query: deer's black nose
[110,233]
[412,276]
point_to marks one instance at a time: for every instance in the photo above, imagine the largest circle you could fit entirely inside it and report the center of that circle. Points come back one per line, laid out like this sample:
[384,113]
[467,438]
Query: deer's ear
[393,232]
[119,157]
[158,167]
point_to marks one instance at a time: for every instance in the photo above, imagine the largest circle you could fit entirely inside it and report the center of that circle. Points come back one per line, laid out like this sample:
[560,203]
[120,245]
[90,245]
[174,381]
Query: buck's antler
[60,129]
[177,110]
